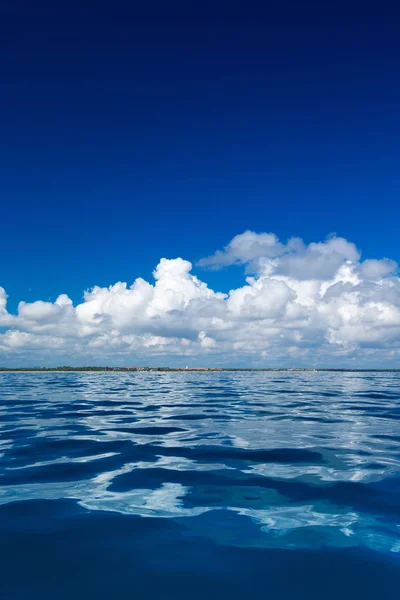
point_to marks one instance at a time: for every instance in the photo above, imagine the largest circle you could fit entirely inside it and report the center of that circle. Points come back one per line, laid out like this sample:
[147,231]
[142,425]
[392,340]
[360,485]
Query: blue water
[196,485]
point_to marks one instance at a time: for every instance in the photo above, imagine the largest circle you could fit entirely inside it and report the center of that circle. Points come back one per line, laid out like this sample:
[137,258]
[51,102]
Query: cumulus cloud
[245,248]
[316,304]
[263,252]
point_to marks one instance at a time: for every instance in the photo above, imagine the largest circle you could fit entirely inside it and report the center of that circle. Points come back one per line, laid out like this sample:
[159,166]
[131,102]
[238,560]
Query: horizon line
[142,369]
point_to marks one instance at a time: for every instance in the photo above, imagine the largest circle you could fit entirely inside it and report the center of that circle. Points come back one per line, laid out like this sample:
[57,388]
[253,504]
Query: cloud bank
[299,305]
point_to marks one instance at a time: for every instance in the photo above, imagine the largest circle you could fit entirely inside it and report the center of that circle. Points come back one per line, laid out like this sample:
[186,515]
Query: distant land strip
[189,369]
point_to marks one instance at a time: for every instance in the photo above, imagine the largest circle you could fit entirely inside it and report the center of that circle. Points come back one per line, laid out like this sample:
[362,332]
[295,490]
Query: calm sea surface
[196,485]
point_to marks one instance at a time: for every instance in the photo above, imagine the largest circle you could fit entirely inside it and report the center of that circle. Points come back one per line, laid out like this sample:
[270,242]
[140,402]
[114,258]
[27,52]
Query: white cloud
[244,248]
[316,304]
[373,269]
[263,252]
[3,301]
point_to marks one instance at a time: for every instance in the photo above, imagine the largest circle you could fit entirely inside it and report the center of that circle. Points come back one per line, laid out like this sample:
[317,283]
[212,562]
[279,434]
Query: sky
[237,163]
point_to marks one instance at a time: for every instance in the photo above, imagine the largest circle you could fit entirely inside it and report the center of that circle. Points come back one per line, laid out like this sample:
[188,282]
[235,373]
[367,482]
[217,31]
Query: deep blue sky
[128,134]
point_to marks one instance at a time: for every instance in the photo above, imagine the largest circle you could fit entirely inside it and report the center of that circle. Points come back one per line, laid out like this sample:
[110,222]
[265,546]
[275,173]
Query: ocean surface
[199,485]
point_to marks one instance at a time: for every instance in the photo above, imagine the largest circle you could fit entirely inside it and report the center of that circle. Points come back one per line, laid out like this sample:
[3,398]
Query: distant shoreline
[184,370]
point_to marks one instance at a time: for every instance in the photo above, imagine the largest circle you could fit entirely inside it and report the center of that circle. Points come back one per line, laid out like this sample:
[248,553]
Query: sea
[185,485]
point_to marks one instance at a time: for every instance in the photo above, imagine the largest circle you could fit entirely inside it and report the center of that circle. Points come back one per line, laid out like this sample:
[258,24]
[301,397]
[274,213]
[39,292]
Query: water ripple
[309,460]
